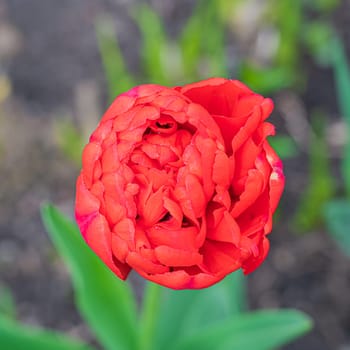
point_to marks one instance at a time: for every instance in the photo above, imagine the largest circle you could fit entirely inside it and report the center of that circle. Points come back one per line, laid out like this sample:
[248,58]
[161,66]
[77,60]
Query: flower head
[180,184]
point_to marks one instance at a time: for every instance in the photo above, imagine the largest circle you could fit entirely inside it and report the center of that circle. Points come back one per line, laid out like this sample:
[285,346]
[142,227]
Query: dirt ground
[50,58]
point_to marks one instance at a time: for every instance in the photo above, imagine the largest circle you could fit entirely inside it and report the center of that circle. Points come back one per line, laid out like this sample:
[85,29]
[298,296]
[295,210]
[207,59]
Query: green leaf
[284,146]
[203,46]
[190,44]
[342,79]
[213,39]
[18,337]
[317,36]
[235,288]
[7,303]
[69,140]
[337,215]
[324,6]
[217,303]
[287,15]
[175,308]
[149,315]
[346,165]
[266,80]
[227,8]
[321,187]
[153,43]
[118,78]
[189,310]
[106,303]
[263,330]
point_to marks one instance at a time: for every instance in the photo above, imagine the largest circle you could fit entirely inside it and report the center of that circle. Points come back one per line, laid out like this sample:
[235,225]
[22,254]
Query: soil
[51,55]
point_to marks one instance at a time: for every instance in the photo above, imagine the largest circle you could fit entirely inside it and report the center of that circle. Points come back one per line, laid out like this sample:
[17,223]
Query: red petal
[146,90]
[245,158]
[267,108]
[221,258]
[91,154]
[120,105]
[85,202]
[226,231]
[175,280]
[222,170]
[110,160]
[177,257]
[173,209]
[254,187]
[119,248]
[202,84]
[218,96]
[98,237]
[180,279]
[196,195]
[277,178]
[153,209]
[255,261]
[142,115]
[122,121]
[246,104]
[190,196]
[203,121]
[207,148]
[139,263]
[181,238]
[254,218]
[251,124]
[101,132]
[172,103]
[222,197]
[125,229]
[192,159]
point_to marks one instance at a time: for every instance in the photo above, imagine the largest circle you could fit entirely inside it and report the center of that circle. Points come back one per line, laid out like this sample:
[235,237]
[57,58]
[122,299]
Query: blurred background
[62,62]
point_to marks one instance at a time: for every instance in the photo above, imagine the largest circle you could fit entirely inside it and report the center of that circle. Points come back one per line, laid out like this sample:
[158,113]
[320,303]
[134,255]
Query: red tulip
[180,184]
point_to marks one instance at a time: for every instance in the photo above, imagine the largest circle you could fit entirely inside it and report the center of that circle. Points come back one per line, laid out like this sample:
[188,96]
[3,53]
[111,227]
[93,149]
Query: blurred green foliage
[321,186]
[214,317]
[7,303]
[296,33]
[117,77]
[202,42]
[16,336]
[317,39]
[284,145]
[337,215]
[69,139]
[341,70]
[198,319]
[154,44]
[337,211]
[324,6]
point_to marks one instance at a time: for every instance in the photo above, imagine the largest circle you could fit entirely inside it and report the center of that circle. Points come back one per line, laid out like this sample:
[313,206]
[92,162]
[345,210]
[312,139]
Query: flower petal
[98,237]
[177,257]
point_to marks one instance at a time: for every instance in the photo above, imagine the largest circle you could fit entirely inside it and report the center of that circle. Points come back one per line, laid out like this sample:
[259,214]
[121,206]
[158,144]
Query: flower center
[164,125]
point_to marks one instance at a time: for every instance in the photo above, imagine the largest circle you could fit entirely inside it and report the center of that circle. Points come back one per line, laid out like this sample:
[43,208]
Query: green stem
[149,315]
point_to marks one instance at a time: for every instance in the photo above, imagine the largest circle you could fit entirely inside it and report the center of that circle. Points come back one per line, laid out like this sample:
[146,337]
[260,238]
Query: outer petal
[98,237]
[180,279]
[277,179]
[86,203]
[255,261]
